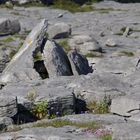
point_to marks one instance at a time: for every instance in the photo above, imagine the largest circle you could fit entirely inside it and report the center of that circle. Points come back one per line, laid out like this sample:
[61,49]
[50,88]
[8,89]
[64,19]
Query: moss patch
[64,44]
[126,53]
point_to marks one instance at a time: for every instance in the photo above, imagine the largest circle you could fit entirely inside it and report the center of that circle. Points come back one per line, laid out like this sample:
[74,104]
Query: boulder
[111,42]
[125,106]
[79,63]
[85,44]
[9,26]
[56,60]
[59,30]
[21,67]
[8,106]
[5,122]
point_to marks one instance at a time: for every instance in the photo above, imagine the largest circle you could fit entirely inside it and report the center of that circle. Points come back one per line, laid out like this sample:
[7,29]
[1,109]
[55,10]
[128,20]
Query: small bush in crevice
[39,110]
[100,107]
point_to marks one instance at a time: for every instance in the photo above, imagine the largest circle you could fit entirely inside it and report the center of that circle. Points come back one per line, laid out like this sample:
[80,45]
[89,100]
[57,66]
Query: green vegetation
[37,56]
[60,123]
[91,55]
[14,51]
[89,127]
[65,45]
[7,40]
[106,137]
[103,10]
[126,53]
[39,110]
[27,31]
[22,37]
[101,107]
[71,6]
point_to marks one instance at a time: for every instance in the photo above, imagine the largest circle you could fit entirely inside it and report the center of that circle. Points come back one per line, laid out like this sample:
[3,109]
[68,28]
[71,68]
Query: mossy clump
[39,110]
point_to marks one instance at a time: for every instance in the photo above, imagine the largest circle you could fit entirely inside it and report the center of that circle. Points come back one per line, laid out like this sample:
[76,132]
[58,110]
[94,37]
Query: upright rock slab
[21,66]
[56,60]
[9,26]
[79,63]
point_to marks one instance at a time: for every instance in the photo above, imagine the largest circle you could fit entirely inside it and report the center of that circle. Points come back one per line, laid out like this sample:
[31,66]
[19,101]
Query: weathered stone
[5,122]
[79,63]
[125,106]
[59,30]
[111,42]
[9,26]
[55,60]
[8,106]
[85,44]
[21,66]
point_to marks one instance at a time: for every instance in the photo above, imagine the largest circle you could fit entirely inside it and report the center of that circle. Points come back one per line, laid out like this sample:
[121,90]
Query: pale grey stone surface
[40,133]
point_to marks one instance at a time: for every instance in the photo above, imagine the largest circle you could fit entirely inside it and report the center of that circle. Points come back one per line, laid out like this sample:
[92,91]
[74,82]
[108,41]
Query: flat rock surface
[116,73]
[63,133]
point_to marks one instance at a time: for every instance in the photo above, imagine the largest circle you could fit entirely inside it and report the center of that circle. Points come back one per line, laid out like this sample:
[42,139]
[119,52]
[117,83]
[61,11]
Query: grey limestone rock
[56,60]
[48,133]
[8,106]
[85,44]
[59,30]
[125,106]
[5,122]
[9,26]
[79,63]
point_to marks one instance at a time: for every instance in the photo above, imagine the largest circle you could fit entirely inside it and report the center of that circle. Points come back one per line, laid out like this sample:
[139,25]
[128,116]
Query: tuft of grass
[127,53]
[65,45]
[22,37]
[31,95]
[104,10]
[71,6]
[60,123]
[92,55]
[7,40]
[106,137]
[27,31]
[37,56]
[13,52]
[101,107]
